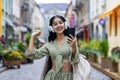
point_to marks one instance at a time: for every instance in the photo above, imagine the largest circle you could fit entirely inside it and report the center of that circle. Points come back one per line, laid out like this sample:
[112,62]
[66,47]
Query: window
[103,8]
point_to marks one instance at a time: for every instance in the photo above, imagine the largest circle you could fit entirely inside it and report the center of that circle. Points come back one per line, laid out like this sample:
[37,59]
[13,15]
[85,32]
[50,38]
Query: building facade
[16,19]
[81,9]
[7,22]
[38,20]
[1,17]
[98,27]
[112,15]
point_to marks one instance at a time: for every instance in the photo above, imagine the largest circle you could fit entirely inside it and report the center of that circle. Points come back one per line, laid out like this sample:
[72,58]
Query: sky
[52,1]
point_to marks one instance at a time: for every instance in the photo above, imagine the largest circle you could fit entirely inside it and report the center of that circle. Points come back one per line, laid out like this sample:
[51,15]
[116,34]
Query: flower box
[10,63]
[12,58]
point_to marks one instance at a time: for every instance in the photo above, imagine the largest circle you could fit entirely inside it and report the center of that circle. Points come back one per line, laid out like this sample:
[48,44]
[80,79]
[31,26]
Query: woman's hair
[47,67]
[56,16]
[52,36]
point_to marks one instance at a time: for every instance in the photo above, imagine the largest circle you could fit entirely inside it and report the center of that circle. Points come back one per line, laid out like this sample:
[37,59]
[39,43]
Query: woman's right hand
[33,36]
[36,33]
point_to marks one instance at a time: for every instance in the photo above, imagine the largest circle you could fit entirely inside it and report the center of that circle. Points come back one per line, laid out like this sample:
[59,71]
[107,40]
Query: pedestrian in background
[2,39]
[61,50]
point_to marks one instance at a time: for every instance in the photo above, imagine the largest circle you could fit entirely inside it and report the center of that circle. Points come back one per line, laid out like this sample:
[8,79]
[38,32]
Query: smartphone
[71,31]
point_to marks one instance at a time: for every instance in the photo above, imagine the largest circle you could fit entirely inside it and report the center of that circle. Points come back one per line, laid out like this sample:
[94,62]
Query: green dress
[57,55]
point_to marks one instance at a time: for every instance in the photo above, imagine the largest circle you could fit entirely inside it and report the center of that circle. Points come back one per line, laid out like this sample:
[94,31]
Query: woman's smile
[60,28]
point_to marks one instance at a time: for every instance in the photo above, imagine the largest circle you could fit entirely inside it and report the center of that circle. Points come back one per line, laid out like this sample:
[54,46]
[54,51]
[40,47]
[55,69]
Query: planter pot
[10,63]
[95,58]
[24,61]
[105,62]
[92,57]
[115,66]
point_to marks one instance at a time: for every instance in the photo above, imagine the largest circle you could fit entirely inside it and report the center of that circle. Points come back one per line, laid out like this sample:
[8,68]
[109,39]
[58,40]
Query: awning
[9,22]
[106,13]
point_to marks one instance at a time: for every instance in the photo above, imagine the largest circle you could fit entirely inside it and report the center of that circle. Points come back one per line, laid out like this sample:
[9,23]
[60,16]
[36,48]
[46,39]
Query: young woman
[62,50]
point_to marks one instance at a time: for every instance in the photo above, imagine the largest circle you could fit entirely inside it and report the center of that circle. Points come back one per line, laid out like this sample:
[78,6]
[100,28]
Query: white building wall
[112,3]
[38,21]
[113,40]
[16,8]
[96,8]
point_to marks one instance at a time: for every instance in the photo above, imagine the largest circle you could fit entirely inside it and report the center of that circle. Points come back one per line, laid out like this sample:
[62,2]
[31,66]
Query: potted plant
[115,60]
[105,60]
[94,46]
[11,58]
[84,48]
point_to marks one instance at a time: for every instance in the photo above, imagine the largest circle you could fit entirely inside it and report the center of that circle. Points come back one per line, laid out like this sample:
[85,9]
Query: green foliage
[84,46]
[12,55]
[28,38]
[1,49]
[104,48]
[21,47]
[94,46]
[115,54]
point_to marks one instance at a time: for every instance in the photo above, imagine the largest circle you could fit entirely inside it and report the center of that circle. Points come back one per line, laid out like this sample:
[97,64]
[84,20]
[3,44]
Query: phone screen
[71,31]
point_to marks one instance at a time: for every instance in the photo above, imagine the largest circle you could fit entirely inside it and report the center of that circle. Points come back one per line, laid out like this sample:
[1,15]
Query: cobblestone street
[33,72]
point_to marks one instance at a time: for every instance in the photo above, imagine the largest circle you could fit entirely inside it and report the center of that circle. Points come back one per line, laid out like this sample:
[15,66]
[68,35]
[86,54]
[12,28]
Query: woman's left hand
[72,42]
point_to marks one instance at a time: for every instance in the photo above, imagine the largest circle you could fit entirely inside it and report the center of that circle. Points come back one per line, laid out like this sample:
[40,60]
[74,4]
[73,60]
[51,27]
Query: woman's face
[58,25]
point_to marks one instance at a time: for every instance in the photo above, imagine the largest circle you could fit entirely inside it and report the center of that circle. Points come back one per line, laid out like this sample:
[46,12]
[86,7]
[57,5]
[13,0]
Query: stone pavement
[33,72]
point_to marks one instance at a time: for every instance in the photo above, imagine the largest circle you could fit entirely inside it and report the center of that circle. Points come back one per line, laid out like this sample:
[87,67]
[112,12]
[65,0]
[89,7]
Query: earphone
[52,30]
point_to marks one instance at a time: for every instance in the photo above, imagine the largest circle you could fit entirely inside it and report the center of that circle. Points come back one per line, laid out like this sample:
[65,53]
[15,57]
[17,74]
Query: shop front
[82,33]
[8,30]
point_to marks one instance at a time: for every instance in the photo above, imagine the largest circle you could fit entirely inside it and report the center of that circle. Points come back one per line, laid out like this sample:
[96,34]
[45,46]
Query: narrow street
[33,72]
[30,71]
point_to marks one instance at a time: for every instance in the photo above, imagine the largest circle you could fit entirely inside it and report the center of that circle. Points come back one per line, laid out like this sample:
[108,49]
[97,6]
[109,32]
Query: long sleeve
[74,59]
[38,53]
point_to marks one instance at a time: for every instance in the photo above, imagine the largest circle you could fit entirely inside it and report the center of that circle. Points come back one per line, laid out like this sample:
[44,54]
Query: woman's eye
[60,22]
[54,24]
